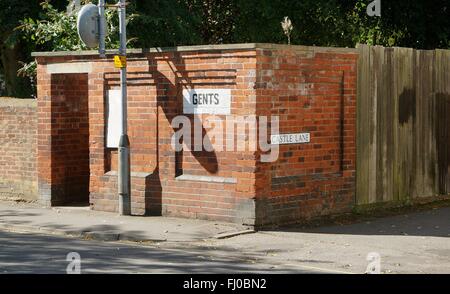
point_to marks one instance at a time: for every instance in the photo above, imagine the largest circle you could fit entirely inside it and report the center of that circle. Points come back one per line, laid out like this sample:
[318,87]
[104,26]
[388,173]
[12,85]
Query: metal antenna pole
[102,28]
[124,144]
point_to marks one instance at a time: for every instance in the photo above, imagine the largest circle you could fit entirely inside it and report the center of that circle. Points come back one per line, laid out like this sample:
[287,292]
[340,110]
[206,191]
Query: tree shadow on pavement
[30,253]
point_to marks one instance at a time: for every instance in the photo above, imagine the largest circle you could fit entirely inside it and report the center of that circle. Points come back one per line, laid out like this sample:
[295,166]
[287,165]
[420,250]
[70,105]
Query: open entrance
[70,140]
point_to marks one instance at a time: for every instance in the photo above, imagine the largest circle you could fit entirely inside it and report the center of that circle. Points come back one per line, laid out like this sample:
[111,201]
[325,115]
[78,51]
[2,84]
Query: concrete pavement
[413,242]
[27,253]
[104,226]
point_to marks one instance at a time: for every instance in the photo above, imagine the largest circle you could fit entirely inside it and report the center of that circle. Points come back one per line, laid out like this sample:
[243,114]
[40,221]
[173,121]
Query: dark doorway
[70,140]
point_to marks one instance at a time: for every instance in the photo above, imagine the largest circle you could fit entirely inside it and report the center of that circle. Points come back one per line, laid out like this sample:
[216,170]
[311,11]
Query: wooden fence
[403,124]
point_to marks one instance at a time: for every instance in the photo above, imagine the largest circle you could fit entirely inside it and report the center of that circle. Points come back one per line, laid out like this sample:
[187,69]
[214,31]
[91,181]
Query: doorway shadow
[70,167]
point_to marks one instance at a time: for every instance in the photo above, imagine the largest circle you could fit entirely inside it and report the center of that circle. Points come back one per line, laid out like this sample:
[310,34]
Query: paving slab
[83,222]
[410,243]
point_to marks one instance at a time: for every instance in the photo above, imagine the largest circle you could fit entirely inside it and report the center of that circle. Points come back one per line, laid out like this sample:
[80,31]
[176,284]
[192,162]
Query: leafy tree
[217,19]
[316,22]
[12,48]
[423,24]
[57,31]
[410,23]
[162,23]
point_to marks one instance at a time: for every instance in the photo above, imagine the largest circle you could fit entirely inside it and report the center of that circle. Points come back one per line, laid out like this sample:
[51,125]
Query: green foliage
[11,12]
[409,23]
[316,22]
[162,23]
[415,23]
[12,48]
[217,19]
[57,31]
[423,24]
[27,69]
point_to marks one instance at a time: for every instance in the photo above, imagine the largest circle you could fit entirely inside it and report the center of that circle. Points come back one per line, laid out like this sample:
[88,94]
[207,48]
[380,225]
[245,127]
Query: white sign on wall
[282,139]
[114,119]
[206,101]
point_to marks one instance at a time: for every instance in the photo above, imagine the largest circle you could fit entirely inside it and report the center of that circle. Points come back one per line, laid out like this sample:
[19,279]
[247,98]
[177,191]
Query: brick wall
[310,89]
[164,182]
[18,178]
[154,101]
[63,138]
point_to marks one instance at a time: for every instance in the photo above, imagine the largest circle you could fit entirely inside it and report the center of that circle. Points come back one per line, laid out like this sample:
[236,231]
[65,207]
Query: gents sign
[290,138]
[210,101]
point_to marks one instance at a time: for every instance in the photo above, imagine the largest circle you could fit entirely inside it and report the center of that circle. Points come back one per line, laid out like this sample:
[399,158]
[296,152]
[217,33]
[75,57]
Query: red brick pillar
[44,128]
[63,138]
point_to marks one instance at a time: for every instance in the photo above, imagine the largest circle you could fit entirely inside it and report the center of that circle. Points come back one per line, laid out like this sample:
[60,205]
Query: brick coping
[210,179]
[17,102]
[242,46]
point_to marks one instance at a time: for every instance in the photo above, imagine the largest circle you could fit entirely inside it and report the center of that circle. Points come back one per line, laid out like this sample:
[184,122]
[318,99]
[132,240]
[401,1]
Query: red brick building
[311,89]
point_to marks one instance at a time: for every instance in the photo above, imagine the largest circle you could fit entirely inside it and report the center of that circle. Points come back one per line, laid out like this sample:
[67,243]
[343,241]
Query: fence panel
[403,124]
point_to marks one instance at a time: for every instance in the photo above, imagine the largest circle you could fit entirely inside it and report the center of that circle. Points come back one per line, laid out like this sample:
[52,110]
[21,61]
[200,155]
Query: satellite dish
[88,25]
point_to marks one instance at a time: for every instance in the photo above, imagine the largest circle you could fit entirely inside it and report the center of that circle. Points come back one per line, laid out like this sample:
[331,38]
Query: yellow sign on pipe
[120,61]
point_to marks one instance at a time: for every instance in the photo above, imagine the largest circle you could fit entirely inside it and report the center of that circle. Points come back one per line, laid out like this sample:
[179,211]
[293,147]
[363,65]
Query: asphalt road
[416,242]
[41,254]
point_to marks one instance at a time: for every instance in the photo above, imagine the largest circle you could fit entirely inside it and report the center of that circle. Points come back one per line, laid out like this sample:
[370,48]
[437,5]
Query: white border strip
[68,68]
